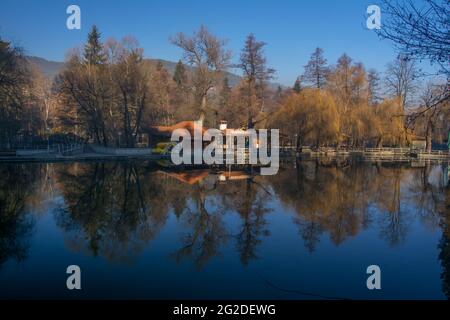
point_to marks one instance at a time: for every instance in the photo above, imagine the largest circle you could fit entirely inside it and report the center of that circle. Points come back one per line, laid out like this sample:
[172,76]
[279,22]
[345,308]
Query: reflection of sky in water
[306,233]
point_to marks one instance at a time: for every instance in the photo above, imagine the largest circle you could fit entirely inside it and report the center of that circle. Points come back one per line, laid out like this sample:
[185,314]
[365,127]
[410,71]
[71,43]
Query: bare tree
[419,30]
[45,97]
[85,94]
[106,100]
[132,84]
[373,81]
[401,78]
[433,109]
[256,73]
[207,53]
[14,85]
[316,69]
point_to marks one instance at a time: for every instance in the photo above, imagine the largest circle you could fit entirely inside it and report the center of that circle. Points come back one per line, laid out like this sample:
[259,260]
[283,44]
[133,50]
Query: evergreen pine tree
[93,50]
[225,93]
[316,69]
[297,86]
[179,75]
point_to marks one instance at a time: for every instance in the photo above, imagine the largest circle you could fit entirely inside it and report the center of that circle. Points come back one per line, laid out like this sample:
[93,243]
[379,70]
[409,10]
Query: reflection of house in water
[189,177]
[232,175]
[192,177]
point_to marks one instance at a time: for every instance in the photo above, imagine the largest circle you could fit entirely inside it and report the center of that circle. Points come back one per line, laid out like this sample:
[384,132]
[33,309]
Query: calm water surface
[139,231]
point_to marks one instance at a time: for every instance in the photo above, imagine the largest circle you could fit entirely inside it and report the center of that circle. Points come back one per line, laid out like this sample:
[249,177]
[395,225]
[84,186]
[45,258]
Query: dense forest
[108,93]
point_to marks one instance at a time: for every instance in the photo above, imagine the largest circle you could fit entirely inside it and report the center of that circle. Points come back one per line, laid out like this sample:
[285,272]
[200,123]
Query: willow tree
[347,81]
[311,116]
[386,120]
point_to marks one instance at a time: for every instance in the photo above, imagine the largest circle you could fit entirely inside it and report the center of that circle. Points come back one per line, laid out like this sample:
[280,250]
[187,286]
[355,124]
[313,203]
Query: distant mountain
[52,68]
[233,79]
[48,68]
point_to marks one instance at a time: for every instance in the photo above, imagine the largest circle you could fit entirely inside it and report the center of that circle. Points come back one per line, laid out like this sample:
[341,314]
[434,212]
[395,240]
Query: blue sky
[292,29]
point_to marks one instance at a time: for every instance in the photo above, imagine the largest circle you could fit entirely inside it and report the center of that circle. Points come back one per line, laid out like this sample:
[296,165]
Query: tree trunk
[429,135]
[105,137]
[203,109]
[125,119]
[299,143]
[249,121]
[380,142]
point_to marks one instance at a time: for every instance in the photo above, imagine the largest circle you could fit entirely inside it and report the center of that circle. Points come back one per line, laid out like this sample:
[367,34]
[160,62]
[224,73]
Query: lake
[138,230]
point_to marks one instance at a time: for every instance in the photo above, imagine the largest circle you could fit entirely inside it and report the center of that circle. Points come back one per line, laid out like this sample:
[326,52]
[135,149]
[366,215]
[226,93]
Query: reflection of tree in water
[444,245]
[310,232]
[111,211]
[252,230]
[249,199]
[432,201]
[208,231]
[114,209]
[327,198]
[394,218]
[16,191]
[343,200]
[427,196]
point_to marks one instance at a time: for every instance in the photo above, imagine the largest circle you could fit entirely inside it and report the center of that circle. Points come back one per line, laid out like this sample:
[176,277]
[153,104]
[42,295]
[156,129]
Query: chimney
[223,125]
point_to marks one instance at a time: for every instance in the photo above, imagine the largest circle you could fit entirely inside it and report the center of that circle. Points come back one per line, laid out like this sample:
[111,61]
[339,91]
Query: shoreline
[81,157]
[356,155]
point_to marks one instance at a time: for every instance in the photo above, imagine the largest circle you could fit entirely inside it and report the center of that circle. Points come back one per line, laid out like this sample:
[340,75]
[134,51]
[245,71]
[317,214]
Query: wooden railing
[389,150]
[435,153]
